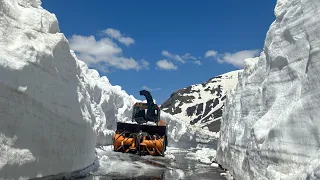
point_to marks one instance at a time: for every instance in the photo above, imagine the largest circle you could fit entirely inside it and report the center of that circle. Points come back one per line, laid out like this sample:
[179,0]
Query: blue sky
[163,45]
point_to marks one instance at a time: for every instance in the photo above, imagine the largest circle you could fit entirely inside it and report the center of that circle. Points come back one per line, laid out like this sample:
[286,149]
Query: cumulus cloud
[166,65]
[144,64]
[116,34]
[173,56]
[197,62]
[237,59]
[103,53]
[181,58]
[151,89]
[211,53]
[189,56]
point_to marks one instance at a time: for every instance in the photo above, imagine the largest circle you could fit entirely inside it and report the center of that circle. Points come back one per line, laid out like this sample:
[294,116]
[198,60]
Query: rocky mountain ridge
[202,104]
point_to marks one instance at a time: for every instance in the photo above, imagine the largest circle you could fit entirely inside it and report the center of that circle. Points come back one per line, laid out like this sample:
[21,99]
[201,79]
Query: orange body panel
[154,147]
[148,145]
[121,142]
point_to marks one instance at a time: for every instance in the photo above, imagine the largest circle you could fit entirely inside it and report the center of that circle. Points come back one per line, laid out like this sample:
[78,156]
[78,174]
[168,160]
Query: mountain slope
[202,104]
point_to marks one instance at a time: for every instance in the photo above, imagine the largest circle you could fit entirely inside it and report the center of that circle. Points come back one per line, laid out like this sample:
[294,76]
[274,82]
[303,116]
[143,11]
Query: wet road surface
[176,165]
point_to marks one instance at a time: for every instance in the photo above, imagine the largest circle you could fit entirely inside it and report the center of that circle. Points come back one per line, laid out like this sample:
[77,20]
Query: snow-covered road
[177,164]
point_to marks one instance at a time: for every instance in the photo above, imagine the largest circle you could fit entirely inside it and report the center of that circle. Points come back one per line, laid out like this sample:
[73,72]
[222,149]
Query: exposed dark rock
[199,109]
[214,126]
[208,107]
[191,110]
[195,120]
[219,91]
[197,101]
[223,98]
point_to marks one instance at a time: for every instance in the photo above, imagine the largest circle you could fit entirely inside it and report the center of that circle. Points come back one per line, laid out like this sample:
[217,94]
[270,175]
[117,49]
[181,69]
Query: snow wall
[271,123]
[45,118]
[53,109]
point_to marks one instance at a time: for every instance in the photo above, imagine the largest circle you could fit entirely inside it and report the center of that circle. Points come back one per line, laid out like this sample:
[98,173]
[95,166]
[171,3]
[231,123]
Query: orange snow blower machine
[148,134]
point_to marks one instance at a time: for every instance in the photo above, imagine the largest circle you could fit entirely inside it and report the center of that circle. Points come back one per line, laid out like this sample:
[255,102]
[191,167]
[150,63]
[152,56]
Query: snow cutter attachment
[140,138]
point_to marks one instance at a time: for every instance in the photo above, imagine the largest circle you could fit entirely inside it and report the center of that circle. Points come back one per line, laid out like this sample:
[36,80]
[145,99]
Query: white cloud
[113,33]
[144,64]
[90,46]
[211,53]
[166,65]
[181,58]
[151,89]
[166,53]
[116,34]
[103,52]
[237,59]
[197,62]
[189,56]
[173,56]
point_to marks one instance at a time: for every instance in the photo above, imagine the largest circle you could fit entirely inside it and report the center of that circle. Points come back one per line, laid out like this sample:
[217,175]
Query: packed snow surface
[271,123]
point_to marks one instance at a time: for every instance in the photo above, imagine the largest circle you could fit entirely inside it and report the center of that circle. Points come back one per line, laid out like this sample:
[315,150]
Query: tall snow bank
[271,123]
[108,104]
[45,113]
[53,109]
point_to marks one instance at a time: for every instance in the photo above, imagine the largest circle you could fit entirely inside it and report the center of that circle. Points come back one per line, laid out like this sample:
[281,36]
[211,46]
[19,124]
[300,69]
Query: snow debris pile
[271,123]
[53,109]
[203,155]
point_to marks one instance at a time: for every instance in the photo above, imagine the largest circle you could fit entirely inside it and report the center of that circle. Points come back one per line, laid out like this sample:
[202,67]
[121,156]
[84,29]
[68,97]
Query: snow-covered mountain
[201,104]
[271,124]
